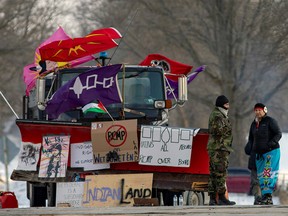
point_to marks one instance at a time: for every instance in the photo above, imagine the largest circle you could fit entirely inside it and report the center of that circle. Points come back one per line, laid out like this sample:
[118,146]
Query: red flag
[71,49]
[169,66]
[59,34]
[110,32]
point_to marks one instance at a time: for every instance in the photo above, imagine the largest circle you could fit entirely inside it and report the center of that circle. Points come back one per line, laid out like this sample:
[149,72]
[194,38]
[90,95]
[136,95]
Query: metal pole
[5,151]
[9,105]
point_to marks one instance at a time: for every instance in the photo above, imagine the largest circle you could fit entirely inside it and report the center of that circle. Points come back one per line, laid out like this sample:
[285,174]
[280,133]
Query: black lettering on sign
[164,160]
[116,135]
[183,147]
[183,162]
[145,159]
[138,193]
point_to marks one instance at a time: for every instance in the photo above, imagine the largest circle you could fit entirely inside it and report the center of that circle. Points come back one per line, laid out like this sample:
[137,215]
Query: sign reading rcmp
[116,135]
[114,142]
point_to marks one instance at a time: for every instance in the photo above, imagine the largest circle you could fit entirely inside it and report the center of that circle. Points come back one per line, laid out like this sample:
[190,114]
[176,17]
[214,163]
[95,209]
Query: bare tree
[24,24]
[243,43]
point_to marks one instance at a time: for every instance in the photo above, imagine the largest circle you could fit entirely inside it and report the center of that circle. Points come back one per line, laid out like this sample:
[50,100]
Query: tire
[195,198]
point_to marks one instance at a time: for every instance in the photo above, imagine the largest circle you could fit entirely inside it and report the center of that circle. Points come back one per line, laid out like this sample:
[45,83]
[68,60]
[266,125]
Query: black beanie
[221,100]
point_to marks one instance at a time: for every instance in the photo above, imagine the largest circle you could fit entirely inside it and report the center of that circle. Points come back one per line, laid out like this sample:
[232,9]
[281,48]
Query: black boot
[257,200]
[213,200]
[223,201]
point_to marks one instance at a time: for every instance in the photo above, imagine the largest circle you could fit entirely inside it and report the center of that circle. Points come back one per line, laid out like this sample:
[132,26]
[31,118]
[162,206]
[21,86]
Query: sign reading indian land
[166,146]
[116,190]
[114,142]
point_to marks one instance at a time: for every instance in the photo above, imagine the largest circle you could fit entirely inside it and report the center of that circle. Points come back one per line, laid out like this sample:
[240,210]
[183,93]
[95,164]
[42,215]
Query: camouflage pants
[218,171]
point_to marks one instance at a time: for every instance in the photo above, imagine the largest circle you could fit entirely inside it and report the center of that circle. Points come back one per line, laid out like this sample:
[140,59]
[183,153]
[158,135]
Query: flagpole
[109,114]
[123,93]
[167,82]
[106,110]
[123,35]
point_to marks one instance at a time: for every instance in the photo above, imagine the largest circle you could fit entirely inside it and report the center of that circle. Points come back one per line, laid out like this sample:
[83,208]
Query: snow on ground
[19,188]
[244,199]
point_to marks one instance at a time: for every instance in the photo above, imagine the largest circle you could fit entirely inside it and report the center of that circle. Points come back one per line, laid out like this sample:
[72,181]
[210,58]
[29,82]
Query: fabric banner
[95,84]
[169,66]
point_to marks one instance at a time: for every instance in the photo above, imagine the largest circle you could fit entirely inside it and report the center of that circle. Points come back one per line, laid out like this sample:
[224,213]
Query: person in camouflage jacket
[219,148]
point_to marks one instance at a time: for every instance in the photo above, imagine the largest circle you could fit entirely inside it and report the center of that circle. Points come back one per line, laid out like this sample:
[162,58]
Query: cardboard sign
[116,190]
[70,192]
[166,146]
[82,156]
[114,141]
[54,156]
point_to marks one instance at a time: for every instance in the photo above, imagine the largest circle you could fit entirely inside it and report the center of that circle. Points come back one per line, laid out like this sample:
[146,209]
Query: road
[275,210]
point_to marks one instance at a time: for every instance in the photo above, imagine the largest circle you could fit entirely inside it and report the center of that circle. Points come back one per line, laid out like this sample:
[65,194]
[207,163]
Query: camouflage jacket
[220,132]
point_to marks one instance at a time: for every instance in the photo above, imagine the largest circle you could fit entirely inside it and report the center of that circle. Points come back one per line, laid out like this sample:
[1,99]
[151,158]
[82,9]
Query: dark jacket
[263,139]
[252,155]
[266,137]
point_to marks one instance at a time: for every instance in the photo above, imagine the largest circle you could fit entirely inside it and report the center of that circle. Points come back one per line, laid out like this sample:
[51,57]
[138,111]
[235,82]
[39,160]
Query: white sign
[70,192]
[82,156]
[29,156]
[166,146]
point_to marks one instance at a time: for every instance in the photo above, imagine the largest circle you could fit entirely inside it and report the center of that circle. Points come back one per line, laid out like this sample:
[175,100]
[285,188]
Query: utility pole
[5,151]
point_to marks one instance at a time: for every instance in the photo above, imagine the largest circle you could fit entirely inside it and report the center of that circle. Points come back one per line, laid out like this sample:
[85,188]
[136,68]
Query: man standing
[264,136]
[219,148]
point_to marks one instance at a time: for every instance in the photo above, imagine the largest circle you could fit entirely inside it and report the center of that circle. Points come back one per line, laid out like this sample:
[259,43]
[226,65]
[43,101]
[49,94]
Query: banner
[166,146]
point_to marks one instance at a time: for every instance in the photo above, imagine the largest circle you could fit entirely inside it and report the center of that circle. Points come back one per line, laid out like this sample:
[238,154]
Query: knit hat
[221,100]
[260,106]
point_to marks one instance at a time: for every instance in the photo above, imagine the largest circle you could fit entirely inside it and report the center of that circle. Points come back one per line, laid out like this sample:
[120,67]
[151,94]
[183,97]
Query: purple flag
[174,85]
[95,84]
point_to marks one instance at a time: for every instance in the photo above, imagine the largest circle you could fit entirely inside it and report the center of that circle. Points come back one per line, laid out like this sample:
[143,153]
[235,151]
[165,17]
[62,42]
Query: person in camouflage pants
[219,148]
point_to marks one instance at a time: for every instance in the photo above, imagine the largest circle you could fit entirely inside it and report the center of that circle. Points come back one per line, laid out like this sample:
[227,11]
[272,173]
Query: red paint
[33,132]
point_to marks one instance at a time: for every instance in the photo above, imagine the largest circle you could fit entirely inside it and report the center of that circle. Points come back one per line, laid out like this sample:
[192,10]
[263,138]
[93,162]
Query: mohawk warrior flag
[95,84]
[168,65]
[74,48]
[174,85]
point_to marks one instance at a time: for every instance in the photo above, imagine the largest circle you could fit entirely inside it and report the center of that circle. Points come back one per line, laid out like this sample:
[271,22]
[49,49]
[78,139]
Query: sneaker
[267,200]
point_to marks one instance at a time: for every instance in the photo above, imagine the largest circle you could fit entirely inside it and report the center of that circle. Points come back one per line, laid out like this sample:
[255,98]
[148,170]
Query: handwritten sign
[114,141]
[29,156]
[54,156]
[70,192]
[166,146]
[82,156]
[116,190]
